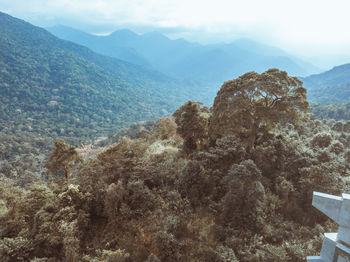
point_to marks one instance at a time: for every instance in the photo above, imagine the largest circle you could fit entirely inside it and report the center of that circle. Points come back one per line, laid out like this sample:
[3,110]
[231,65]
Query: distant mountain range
[69,89]
[332,86]
[184,60]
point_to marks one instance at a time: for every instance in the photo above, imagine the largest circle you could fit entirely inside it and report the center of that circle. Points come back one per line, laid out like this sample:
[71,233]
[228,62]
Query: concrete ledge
[328,204]
[314,259]
[335,246]
[344,234]
[328,246]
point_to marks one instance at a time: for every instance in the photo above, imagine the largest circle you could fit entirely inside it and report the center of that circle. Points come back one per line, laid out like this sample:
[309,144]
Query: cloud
[297,24]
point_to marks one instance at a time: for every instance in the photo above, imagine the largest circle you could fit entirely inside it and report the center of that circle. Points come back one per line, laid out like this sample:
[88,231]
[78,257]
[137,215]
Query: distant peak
[124,32]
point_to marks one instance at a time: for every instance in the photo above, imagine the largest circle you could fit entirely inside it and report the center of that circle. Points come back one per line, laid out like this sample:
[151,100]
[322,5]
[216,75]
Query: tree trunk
[252,138]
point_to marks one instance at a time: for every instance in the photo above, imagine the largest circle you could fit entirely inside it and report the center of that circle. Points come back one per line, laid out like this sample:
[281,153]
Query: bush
[168,247]
[193,183]
[15,249]
[321,140]
[244,202]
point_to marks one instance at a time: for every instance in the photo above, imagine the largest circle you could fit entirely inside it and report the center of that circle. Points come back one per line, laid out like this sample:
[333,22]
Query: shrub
[168,247]
[321,140]
[15,249]
[193,183]
[244,202]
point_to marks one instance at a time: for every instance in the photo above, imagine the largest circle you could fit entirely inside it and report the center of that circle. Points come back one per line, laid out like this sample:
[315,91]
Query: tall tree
[62,158]
[253,101]
[192,125]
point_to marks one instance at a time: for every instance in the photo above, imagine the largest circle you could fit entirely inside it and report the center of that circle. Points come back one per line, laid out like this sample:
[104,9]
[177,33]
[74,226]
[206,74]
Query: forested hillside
[193,187]
[332,86]
[331,111]
[329,93]
[56,87]
[339,75]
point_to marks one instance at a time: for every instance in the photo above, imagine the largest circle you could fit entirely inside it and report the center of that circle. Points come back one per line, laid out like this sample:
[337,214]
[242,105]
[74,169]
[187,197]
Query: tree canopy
[253,101]
[192,122]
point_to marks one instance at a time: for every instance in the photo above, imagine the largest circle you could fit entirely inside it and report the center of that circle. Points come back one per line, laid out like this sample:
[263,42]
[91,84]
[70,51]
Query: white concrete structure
[336,246]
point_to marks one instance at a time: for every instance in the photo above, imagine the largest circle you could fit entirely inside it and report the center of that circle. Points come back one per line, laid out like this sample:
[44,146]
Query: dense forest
[192,187]
[332,86]
[70,90]
[331,111]
[337,76]
[329,93]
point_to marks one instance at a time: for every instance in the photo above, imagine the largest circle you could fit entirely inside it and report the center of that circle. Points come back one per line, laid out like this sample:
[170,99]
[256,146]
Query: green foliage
[23,154]
[335,111]
[58,88]
[330,94]
[329,87]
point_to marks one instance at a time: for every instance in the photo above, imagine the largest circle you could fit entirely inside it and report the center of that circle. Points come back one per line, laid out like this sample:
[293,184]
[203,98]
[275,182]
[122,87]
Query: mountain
[54,85]
[338,75]
[99,45]
[279,58]
[182,59]
[332,86]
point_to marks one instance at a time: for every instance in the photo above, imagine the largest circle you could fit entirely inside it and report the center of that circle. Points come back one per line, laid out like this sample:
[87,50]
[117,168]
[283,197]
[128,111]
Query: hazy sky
[308,27]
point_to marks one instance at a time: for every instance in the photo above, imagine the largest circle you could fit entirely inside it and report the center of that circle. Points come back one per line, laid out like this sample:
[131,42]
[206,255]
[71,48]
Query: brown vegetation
[170,194]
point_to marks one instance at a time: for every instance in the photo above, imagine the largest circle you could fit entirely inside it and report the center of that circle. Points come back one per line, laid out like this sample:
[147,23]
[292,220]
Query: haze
[316,29]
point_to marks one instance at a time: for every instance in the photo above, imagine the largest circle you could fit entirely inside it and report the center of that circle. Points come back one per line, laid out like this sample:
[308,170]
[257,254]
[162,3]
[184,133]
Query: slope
[332,86]
[99,45]
[69,90]
[266,50]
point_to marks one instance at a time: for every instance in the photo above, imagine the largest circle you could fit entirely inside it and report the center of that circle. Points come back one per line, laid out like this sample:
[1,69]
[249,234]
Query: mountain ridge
[167,56]
[332,86]
[338,75]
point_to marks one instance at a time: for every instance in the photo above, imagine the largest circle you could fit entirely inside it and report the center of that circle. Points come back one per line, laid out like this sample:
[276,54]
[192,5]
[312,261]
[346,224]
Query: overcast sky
[308,27]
